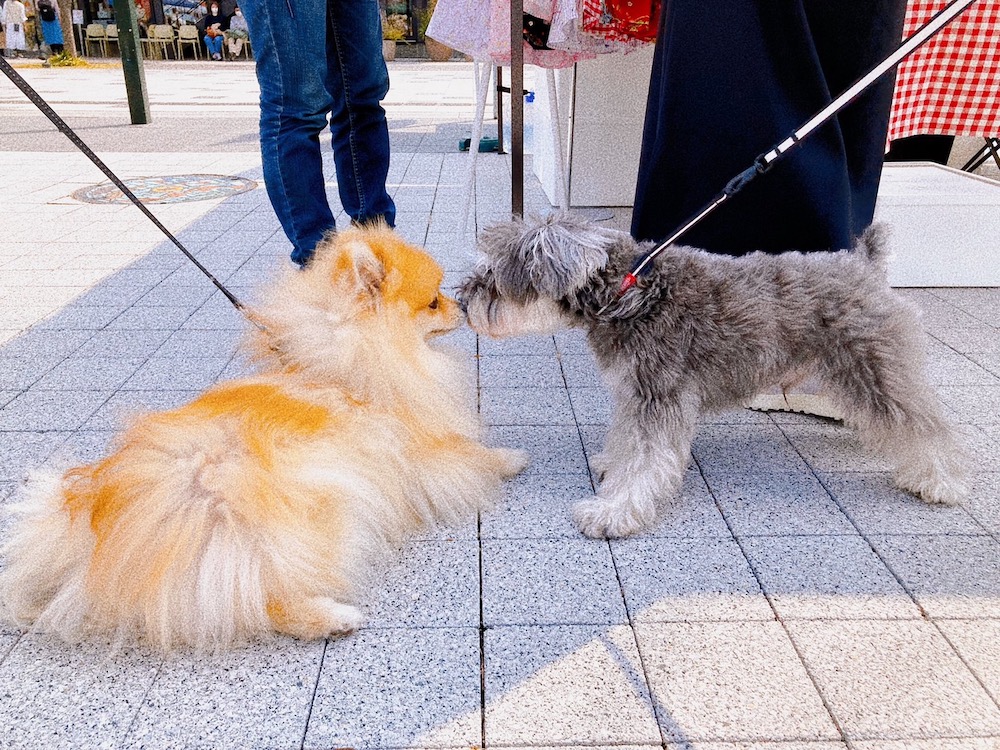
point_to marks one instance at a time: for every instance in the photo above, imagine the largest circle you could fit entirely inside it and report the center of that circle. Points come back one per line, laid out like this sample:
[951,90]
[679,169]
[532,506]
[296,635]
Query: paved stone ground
[791,599]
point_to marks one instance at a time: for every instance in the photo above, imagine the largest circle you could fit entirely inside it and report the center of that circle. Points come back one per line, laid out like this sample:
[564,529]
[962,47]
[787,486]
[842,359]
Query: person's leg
[289,42]
[850,42]
[358,81]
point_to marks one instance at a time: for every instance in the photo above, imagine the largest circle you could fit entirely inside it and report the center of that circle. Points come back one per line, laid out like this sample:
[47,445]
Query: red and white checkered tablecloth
[951,85]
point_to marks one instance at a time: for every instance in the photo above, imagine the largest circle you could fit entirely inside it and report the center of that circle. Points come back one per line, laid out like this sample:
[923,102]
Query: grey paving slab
[976,404]
[983,502]
[965,743]
[81,446]
[216,314]
[982,304]
[688,580]
[118,411]
[89,373]
[176,373]
[399,688]
[537,506]
[876,507]
[52,695]
[173,295]
[591,406]
[946,367]
[831,577]
[37,344]
[894,680]
[566,685]
[151,318]
[989,362]
[19,373]
[23,450]
[981,445]
[951,576]
[735,449]
[109,294]
[253,697]
[434,584]
[833,447]
[552,450]
[525,345]
[978,644]
[778,503]
[208,343]
[80,317]
[520,371]
[981,339]
[573,341]
[237,367]
[729,681]
[51,410]
[566,581]
[462,339]
[123,343]
[580,371]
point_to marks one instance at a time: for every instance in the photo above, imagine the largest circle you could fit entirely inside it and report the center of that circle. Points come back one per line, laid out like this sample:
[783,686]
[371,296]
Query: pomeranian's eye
[434,304]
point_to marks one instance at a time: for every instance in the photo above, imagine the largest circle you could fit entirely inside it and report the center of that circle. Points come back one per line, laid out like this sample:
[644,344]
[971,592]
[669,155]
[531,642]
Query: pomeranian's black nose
[461,303]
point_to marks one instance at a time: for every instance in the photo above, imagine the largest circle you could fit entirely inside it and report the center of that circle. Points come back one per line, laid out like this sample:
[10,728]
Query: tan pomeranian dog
[265,504]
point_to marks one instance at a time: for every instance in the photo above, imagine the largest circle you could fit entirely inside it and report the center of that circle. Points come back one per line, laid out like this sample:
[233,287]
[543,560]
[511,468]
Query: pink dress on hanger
[482,30]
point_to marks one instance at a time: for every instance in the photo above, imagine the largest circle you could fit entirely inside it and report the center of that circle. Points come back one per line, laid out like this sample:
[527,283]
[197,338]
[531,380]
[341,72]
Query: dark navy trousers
[730,79]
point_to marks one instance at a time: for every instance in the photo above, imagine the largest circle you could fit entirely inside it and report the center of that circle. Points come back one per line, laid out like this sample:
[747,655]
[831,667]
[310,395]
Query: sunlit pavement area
[791,599]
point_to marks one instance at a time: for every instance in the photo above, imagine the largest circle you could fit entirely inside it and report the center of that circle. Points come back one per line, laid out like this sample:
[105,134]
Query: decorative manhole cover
[178,188]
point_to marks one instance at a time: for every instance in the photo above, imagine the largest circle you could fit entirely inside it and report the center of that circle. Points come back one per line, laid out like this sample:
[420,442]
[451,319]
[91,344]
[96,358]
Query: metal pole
[135,79]
[517,107]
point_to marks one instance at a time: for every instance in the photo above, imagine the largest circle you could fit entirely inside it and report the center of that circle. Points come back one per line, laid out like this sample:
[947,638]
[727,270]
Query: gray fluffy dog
[705,333]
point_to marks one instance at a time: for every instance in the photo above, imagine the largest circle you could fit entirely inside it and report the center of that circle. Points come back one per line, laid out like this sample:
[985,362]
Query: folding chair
[188,34]
[111,33]
[96,34]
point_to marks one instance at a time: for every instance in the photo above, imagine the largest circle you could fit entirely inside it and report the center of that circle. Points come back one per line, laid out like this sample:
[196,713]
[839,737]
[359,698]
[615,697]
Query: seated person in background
[237,33]
[215,26]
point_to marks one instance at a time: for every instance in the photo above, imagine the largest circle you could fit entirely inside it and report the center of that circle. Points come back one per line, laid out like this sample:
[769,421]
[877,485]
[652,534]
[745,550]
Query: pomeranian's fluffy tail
[142,547]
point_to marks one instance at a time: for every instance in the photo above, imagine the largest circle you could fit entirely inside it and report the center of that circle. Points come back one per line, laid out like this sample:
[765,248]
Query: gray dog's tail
[873,245]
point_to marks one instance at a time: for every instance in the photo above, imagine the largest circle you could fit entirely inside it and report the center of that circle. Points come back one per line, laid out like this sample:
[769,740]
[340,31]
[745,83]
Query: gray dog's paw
[599,518]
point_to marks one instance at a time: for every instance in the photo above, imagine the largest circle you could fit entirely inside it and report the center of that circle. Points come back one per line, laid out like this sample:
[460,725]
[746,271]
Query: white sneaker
[804,398]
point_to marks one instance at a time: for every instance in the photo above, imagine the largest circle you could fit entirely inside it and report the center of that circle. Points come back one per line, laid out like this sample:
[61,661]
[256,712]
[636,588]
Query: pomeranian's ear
[357,268]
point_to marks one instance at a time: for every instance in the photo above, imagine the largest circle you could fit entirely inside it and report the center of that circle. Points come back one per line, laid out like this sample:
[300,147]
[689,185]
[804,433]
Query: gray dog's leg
[646,454]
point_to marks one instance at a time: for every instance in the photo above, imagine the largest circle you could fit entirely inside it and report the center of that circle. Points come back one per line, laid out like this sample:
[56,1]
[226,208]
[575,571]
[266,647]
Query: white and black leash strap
[42,105]
[764,162]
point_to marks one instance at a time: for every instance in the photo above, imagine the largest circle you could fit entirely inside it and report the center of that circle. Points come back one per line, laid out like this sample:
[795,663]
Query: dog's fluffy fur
[704,332]
[262,505]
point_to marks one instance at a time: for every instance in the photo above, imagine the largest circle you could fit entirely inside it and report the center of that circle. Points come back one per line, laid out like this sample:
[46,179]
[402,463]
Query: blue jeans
[214,45]
[317,58]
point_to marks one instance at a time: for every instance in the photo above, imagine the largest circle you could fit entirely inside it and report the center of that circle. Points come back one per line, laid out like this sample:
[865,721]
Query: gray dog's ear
[552,256]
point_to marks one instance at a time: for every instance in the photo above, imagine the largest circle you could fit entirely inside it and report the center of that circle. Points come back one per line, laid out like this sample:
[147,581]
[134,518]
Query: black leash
[37,100]
[766,160]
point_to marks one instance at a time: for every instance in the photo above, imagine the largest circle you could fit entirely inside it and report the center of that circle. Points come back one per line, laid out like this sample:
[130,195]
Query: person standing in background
[14,17]
[320,58]
[48,13]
